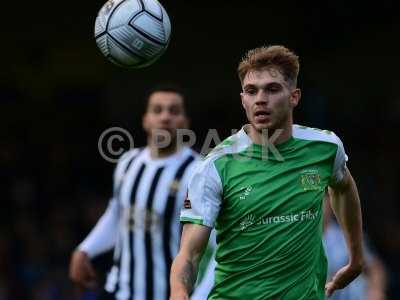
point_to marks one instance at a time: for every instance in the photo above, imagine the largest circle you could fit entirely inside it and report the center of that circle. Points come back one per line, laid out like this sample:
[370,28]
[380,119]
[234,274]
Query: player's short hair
[165,87]
[276,56]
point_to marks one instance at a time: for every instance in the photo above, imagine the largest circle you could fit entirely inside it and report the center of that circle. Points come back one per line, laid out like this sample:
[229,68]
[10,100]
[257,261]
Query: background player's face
[268,99]
[165,110]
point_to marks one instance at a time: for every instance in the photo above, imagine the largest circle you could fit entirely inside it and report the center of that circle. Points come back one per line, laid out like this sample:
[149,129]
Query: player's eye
[250,91]
[274,88]
[175,110]
[157,109]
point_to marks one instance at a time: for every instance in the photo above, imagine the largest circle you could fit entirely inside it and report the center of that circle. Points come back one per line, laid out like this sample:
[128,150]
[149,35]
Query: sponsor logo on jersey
[247,221]
[246,192]
[250,219]
[137,218]
[187,204]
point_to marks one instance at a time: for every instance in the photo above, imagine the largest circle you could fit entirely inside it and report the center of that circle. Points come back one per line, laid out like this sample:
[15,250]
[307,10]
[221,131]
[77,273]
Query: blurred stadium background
[58,94]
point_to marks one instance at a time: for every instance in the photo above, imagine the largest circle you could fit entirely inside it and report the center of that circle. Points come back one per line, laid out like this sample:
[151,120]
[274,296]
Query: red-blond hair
[279,57]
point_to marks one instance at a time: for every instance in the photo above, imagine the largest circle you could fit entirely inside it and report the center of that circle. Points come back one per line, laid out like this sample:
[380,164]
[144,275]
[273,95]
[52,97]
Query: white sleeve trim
[339,166]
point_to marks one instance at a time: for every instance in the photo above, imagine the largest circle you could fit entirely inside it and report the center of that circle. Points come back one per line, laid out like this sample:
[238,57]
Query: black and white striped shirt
[142,222]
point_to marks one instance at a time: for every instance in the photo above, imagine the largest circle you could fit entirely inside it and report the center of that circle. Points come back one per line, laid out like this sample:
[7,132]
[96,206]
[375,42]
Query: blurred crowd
[43,216]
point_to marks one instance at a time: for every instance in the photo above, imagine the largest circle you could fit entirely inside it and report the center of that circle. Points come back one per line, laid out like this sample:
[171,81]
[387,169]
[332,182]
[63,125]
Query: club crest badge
[310,180]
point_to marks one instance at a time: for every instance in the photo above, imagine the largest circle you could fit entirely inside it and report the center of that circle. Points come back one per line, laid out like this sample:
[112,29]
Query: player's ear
[145,122]
[295,97]
[242,99]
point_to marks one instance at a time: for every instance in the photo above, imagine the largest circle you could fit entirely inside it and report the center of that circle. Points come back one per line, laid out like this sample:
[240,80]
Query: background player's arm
[376,277]
[205,284]
[346,206]
[101,239]
[185,266]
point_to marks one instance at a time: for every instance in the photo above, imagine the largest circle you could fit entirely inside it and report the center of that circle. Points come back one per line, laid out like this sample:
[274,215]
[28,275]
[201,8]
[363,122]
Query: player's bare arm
[346,206]
[185,266]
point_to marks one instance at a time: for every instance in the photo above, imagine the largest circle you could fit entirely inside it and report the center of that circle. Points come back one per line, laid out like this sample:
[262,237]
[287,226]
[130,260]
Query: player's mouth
[262,116]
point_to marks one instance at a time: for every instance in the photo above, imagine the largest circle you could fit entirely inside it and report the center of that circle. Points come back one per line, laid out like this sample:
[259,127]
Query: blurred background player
[371,284]
[142,218]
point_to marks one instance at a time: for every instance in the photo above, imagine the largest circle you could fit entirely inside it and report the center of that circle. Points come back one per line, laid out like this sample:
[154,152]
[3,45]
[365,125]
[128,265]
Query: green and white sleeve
[204,195]
[339,167]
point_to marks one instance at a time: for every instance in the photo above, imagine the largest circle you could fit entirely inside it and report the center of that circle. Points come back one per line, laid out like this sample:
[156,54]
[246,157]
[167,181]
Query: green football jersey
[266,206]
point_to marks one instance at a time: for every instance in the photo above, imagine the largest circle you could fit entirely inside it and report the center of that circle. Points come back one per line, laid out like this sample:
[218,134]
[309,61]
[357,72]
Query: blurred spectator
[371,284]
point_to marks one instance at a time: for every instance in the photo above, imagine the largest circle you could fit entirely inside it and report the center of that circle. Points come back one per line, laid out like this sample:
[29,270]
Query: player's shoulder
[189,158]
[302,132]
[124,161]
[233,144]
[129,154]
[230,145]
[192,153]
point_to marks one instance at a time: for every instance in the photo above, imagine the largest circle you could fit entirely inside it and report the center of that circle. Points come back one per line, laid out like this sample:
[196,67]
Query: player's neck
[277,135]
[157,152]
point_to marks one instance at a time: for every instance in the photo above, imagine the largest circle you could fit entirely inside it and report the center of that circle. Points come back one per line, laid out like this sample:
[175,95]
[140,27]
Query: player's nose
[261,98]
[166,116]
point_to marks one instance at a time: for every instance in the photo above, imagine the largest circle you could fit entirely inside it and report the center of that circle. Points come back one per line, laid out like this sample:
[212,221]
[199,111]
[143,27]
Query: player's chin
[171,132]
[260,126]
[161,133]
[165,129]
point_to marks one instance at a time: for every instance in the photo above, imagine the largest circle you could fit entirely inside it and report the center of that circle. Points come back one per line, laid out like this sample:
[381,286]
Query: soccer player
[263,189]
[142,218]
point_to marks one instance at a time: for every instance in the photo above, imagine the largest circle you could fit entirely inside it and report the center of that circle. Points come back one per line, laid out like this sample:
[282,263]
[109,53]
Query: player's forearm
[183,277]
[184,268]
[346,206]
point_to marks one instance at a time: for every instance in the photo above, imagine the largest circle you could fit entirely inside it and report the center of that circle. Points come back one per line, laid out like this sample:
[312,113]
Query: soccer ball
[132,33]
